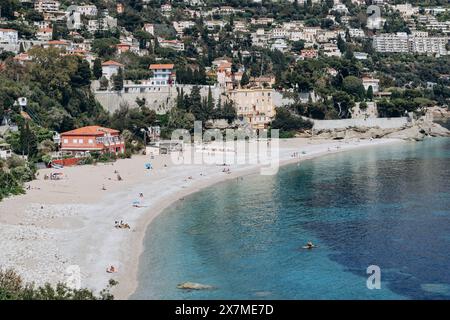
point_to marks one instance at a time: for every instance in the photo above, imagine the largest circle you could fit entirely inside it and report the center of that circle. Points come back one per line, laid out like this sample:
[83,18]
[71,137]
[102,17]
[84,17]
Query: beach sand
[70,221]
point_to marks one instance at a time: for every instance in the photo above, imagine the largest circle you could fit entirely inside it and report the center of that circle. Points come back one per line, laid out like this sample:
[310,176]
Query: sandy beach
[59,223]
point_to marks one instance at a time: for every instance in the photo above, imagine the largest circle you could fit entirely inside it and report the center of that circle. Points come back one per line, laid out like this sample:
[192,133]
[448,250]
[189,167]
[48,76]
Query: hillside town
[138,66]
[112,112]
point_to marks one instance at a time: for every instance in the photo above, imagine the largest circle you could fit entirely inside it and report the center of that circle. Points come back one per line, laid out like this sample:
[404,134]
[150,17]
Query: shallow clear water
[386,205]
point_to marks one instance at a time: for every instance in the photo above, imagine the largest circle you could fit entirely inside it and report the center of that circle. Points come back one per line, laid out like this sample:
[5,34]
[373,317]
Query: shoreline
[245,172]
[71,222]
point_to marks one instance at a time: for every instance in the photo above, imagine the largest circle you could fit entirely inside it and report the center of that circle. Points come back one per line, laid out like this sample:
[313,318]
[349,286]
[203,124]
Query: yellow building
[255,106]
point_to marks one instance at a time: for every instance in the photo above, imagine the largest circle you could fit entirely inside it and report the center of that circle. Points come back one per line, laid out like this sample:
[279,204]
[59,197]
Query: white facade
[401,42]
[150,28]
[87,10]
[391,42]
[110,68]
[371,82]
[427,45]
[46,6]
[9,36]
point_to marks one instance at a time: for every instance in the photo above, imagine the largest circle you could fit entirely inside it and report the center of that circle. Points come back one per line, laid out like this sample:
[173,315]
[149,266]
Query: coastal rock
[414,133]
[194,286]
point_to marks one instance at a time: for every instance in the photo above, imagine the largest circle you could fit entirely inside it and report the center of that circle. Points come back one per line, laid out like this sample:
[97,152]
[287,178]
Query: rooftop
[112,63]
[90,130]
[161,66]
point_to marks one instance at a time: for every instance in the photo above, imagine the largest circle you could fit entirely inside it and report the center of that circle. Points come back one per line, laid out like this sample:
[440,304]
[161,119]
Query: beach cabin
[92,138]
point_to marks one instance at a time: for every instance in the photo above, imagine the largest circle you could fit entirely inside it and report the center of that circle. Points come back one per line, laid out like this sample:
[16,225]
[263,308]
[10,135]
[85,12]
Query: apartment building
[391,42]
[415,43]
[255,106]
[46,6]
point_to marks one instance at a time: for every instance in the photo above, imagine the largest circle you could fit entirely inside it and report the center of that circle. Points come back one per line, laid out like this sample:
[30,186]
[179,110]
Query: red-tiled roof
[112,63]
[57,42]
[89,131]
[161,66]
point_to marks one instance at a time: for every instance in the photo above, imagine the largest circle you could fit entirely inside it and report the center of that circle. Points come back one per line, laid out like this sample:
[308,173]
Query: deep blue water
[386,205]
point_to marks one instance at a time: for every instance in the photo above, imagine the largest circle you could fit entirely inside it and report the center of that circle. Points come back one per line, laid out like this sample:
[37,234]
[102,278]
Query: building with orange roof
[123,47]
[60,44]
[110,68]
[309,54]
[44,34]
[22,58]
[92,139]
[9,36]
[163,74]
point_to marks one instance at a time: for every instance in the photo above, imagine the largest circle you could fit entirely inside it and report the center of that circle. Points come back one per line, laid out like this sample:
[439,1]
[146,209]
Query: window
[66,140]
[90,141]
[75,140]
[81,141]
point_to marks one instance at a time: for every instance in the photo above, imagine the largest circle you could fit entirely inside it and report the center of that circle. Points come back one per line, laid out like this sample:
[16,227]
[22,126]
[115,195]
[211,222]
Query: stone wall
[383,123]
[163,98]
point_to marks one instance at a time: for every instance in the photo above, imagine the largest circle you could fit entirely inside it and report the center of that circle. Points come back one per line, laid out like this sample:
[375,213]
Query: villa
[163,74]
[92,138]
[110,68]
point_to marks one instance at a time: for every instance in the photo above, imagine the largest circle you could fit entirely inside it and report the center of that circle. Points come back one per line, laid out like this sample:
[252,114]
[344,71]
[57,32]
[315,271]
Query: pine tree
[28,140]
[245,80]
[97,69]
[195,101]
[369,93]
[118,80]
[209,110]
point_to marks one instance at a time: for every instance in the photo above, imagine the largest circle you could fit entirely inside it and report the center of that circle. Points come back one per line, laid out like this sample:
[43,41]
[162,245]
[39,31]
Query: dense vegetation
[12,287]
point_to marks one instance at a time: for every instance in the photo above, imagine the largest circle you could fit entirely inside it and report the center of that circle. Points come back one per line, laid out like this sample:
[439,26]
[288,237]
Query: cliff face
[416,132]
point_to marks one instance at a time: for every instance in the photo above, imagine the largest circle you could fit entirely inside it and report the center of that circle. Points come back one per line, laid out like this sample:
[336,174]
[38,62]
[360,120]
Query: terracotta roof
[45,30]
[7,30]
[90,130]
[57,42]
[161,66]
[22,57]
[112,63]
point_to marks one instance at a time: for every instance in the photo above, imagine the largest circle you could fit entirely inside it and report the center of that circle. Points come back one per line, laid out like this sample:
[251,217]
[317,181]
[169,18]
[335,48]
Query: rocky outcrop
[415,131]
[194,286]
[438,113]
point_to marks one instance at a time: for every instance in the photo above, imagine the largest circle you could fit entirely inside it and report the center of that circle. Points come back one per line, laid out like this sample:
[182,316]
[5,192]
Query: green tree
[117,80]
[369,94]
[28,140]
[353,85]
[245,80]
[97,68]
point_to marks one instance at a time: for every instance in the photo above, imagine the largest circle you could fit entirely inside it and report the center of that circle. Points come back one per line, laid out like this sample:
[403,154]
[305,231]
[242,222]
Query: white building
[110,68]
[279,44]
[391,42]
[406,10]
[163,74]
[9,36]
[428,45]
[356,33]
[402,43]
[371,82]
[176,45]
[44,34]
[150,28]
[87,10]
[46,6]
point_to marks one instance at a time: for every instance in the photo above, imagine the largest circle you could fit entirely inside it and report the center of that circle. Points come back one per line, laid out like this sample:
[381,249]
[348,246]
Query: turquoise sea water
[385,205]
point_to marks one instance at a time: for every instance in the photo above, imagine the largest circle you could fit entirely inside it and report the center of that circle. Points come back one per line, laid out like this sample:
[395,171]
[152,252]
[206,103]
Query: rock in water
[194,286]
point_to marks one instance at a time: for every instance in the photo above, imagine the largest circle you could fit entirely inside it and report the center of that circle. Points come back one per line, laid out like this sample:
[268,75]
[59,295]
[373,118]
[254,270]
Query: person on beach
[111,269]
[141,195]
